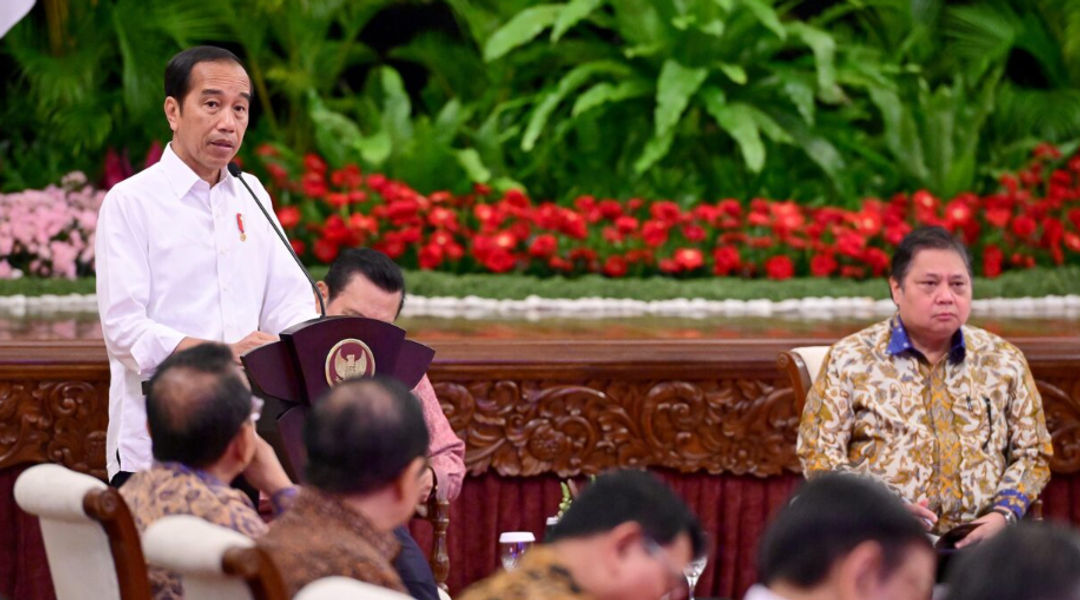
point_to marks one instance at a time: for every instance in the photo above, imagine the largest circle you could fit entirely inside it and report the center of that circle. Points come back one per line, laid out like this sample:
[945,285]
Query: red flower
[298,247]
[348,176]
[481,189]
[610,209]
[894,234]
[850,244]
[694,233]
[325,250]
[335,231]
[265,150]
[823,265]
[779,267]
[787,217]
[689,259]
[288,216]
[360,222]
[443,217]
[668,265]
[517,198]
[626,225]
[877,259]
[725,260]
[998,216]
[315,164]
[1045,150]
[615,266]
[543,245]
[654,233]
[1074,216]
[1072,241]
[499,261]
[958,212]
[312,184]
[666,211]
[430,256]
[402,211]
[1023,226]
[992,259]
[277,172]
[337,199]
[573,225]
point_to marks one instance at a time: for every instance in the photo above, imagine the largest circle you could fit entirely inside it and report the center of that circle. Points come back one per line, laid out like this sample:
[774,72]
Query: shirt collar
[181,176]
[900,342]
[201,475]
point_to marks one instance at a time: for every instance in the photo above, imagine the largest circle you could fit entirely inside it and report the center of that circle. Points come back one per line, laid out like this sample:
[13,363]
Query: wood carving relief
[523,428]
[1061,403]
[54,421]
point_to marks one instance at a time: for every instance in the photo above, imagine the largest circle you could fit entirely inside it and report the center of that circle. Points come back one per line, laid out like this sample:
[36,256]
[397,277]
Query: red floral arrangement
[1033,220]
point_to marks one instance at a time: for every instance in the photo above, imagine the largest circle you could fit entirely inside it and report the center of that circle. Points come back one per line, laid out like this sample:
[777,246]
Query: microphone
[234,170]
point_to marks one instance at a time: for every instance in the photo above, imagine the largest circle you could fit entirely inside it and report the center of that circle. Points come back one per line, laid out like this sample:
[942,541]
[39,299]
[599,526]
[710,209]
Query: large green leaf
[824,48]
[738,120]
[676,85]
[604,93]
[767,16]
[569,82]
[574,11]
[901,133]
[655,149]
[470,161]
[521,29]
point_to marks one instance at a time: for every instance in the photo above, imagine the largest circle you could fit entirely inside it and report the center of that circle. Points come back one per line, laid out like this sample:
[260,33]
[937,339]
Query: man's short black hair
[196,404]
[1032,561]
[925,238]
[178,71]
[362,434]
[374,265]
[623,496]
[826,519]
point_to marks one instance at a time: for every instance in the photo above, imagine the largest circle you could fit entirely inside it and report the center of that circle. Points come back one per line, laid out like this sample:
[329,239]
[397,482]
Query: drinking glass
[693,572]
[512,544]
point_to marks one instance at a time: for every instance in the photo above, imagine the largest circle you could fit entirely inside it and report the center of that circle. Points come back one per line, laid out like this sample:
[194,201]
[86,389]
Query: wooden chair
[91,541]
[801,365]
[343,588]
[214,562]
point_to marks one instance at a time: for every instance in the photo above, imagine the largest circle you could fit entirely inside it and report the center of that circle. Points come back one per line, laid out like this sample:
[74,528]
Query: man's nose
[227,122]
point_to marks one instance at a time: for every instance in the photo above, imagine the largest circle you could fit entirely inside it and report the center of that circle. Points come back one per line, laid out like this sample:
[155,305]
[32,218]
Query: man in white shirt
[844,537]
[183,254]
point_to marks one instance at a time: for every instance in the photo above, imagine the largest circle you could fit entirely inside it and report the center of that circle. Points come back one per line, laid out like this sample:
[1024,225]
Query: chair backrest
[214,562]
[343,588]
[801,365]
[91,541]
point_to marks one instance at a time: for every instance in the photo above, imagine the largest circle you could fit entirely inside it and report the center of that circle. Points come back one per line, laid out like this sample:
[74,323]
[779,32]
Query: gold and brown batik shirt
[320,536]
[538,576]
[967,433]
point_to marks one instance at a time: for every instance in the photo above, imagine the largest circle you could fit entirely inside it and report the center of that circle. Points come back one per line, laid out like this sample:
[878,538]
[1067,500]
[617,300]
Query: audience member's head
[849,538]
[363,282]
[1032,561]
[930,282]
[366,438]
[199,410]
[628,536]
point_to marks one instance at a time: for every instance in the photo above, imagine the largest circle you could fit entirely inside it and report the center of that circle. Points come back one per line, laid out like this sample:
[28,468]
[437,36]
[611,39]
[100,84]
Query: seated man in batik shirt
[366,445]
[627,537]
[201,417]
[945,414]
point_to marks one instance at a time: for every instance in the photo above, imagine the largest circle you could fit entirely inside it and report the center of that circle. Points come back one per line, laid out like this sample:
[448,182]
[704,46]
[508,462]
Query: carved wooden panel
[54,421]
[1061,403]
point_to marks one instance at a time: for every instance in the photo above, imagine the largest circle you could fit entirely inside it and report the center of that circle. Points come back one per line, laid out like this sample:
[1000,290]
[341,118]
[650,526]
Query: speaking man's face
[208,124]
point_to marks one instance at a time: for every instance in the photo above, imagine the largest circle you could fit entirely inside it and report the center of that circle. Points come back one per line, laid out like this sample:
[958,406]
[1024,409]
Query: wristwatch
[1010,516]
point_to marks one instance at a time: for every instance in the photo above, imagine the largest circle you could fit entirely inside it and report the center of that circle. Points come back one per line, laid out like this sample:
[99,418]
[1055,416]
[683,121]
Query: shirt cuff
[1014,501]
[154,346]
[282,500]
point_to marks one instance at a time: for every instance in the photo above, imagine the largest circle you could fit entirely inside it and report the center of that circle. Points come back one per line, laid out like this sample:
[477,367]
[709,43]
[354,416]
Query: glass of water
[693,572]
[512,544]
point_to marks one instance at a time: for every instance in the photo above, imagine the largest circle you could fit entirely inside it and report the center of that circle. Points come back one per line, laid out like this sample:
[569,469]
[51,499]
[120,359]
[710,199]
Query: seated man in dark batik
[366,444]
[201,416]
[627,537]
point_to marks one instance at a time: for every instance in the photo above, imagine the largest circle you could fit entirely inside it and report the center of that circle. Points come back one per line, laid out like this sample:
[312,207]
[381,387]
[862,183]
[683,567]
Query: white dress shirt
[174,260]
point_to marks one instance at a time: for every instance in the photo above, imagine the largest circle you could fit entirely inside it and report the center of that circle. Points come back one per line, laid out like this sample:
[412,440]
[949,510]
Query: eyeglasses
[675,578]
[256,408]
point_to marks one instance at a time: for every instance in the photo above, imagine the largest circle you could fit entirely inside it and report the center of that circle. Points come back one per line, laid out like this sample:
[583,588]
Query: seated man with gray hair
[366,445]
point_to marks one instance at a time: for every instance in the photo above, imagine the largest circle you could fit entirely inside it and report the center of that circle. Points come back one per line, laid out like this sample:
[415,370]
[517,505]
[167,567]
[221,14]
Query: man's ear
[323,290]
[408,476]
[861,570]
[241,444]
[894,288]
[625,536]
[172,112]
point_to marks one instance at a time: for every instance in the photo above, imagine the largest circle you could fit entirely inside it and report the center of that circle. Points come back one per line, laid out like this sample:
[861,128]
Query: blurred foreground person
[844,537]
[201,417]
[946,414]
[626,537]
[366,443]
[1033,561]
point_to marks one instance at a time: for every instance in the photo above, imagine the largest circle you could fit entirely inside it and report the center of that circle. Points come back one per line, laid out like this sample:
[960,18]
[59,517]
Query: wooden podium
[291,374]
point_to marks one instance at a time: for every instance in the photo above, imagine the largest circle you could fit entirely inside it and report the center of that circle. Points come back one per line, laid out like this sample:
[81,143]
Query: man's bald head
[362,434]
[196,405]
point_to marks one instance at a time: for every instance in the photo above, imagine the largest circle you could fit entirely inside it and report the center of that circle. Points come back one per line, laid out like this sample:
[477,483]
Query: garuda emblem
[347,359]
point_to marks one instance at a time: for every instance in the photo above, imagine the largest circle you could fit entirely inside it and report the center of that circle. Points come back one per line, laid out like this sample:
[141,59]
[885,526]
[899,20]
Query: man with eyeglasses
[626,537]
[201,417]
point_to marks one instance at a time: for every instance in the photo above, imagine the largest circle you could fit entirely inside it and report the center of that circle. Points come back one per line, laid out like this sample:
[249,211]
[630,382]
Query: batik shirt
[321,537]
[173,489]
[538,576]
[967,434]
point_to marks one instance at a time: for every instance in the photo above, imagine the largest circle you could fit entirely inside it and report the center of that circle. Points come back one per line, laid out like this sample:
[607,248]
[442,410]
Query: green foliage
[1014,284]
